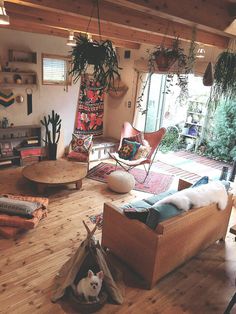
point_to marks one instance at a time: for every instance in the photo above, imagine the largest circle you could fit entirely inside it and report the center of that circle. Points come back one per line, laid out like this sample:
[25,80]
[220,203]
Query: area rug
[97,219]
[155,183]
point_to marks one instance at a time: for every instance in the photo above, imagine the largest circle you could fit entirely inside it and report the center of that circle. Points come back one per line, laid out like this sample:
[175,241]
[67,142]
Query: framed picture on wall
[6,149]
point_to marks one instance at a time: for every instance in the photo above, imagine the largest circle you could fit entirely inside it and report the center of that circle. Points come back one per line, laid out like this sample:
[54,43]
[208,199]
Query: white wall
[117,110]
[45,97]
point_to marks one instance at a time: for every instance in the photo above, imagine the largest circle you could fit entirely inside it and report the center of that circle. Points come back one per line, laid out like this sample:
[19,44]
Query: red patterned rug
[155,183]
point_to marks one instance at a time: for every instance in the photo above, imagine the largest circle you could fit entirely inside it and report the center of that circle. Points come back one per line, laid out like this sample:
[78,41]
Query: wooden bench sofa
[154,253]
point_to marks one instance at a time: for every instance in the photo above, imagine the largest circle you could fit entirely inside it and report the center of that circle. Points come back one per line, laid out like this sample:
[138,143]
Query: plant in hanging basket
[101,55]
[165,57]
[225,76]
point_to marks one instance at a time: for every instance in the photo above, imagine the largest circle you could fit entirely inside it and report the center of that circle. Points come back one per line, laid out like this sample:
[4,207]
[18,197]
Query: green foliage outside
[222,145]
[170,140]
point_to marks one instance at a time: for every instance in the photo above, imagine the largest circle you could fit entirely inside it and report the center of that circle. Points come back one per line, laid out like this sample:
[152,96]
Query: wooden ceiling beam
[61,21]
[210,15]
[115,17]
[25,26]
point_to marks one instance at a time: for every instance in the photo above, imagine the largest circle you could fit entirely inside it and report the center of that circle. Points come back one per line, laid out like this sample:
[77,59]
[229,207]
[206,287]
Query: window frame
[67,60]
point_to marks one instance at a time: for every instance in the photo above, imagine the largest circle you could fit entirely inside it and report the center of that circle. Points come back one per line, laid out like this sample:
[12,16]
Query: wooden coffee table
[55,172]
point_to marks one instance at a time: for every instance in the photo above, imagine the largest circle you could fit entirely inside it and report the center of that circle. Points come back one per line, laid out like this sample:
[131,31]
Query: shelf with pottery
[18,79]
[194,124]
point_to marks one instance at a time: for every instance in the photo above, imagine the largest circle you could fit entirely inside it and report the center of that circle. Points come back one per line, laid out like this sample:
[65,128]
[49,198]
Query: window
[55,70]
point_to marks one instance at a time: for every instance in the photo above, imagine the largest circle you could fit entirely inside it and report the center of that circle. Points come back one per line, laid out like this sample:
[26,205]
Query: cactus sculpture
[53,127]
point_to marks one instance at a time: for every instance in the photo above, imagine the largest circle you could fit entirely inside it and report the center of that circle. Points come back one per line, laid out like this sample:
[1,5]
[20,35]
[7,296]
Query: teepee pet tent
[71,270]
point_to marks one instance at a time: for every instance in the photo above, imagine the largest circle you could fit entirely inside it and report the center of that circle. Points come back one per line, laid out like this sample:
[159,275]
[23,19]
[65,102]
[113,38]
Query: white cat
[203,195]
[90,286]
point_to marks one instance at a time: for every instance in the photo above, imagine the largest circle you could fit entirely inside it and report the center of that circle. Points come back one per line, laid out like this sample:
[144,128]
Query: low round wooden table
[55,172]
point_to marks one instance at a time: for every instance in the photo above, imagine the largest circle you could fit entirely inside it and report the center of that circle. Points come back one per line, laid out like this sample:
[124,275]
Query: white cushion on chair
[120,181]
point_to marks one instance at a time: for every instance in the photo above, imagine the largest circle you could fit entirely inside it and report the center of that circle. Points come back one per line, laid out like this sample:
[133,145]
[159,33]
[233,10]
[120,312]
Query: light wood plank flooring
[29,263]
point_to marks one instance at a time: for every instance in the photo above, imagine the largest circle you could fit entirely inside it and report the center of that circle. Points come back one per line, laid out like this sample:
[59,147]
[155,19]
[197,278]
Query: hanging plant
[101,55]
[163,58]
[225,76]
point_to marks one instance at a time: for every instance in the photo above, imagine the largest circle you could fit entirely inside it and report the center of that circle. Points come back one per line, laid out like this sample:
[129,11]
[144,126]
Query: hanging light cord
[91,15]
[99,24]
[98,17]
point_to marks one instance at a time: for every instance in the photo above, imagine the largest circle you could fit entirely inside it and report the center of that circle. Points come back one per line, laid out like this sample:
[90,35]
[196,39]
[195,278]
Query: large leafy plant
[101,55]
[225,76]
[222,145]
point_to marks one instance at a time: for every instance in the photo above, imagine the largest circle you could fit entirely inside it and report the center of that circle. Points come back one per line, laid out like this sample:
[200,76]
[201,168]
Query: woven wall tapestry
[7,97]
[90,108]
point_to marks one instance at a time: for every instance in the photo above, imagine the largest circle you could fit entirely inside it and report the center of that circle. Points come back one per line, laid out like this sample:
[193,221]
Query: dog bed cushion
[18,207]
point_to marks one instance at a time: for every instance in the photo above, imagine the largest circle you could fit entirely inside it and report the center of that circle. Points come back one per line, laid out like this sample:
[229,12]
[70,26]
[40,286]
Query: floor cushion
[120,181]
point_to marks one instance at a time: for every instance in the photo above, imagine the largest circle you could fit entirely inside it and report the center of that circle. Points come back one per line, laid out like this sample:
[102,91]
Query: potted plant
[101,55]
[53,129]
[225,76]
[165,57]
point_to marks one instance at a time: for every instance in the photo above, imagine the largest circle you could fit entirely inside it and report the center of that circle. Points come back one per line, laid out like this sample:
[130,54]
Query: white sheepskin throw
[203,195]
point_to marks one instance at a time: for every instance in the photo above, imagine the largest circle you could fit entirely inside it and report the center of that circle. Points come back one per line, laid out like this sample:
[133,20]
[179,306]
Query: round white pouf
[120,181]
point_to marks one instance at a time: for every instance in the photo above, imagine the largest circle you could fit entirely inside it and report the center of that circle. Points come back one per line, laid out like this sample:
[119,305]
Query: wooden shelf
[20,138]
[193,124]
[193,112]
[9,158]
[17,85]
[31,126]
[188,135]
[21,56]
[18,72]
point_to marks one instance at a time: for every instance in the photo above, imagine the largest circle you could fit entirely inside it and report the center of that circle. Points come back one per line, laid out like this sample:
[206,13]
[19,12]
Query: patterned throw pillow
[142,152]
[128,149]
[81,143]
[136,138]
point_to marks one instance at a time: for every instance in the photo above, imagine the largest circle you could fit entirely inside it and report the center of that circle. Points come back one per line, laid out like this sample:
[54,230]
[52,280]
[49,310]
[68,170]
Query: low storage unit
[20,142]
[102,146]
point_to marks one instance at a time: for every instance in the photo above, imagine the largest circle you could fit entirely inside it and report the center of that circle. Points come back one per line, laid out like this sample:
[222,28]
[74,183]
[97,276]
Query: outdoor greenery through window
[55,70]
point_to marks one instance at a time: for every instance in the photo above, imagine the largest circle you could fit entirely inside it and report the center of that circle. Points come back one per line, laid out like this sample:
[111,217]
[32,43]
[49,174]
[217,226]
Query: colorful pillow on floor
[128,149]
[81,143]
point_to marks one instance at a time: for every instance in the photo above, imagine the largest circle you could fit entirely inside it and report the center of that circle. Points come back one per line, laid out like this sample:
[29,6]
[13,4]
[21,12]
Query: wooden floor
[29,263]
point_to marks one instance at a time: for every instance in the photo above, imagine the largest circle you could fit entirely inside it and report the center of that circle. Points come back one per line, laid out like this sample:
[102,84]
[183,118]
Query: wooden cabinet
[18,142]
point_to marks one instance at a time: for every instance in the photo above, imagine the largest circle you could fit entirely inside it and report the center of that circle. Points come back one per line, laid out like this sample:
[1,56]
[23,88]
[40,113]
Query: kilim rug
[155,183]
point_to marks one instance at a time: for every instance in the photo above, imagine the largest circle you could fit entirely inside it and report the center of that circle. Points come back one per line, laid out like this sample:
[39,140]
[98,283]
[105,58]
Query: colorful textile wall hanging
[90,108]
[7,97]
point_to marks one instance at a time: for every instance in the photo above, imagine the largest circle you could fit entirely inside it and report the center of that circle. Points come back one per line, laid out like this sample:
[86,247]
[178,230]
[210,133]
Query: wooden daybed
[154,253]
